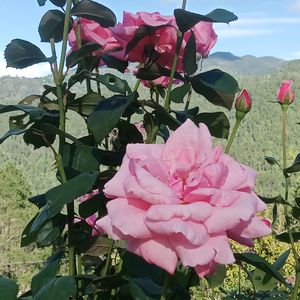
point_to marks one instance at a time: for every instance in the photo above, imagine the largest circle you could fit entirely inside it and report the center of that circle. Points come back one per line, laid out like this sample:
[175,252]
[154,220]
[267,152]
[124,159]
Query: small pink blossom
[183,200]
[285,94]
[243,102]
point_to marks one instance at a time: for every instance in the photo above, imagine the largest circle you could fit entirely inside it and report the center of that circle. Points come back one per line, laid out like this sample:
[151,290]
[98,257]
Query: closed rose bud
[243,102]
[285,94]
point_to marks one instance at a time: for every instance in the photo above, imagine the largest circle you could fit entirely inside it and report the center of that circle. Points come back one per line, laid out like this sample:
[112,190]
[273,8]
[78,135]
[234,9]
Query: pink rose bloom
[141,128]
[205,37]
[285,94]
[162,43]
[183,200]
[93,32]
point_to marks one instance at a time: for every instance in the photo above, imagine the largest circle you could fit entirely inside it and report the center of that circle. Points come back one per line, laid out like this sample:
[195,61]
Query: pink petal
[128,217]
[203,270]
[104,225]
[195,233]
[253,228]
[225,218]
[142,185]
[197,212]
[155,251]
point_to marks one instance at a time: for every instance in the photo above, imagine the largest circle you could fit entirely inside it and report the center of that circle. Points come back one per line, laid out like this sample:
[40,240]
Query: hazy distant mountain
[244,65]
[224,56]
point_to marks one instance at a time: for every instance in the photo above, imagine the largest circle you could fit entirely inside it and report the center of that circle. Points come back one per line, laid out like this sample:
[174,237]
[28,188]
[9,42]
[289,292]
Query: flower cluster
[183,200]
[159,45]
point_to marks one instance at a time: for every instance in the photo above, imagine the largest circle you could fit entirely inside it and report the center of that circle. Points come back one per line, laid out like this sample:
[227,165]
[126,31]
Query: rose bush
[183,200]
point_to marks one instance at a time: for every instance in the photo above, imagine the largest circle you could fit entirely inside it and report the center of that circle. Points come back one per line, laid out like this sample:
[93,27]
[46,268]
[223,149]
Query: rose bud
[243,102]
[285,95]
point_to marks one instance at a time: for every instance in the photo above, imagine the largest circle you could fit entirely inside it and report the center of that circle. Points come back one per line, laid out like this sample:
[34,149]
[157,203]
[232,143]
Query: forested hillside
[21,169]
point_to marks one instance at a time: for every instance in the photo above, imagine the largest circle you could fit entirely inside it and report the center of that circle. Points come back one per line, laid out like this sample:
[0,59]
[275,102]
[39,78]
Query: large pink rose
[161,44]
[183,200]
[93,32]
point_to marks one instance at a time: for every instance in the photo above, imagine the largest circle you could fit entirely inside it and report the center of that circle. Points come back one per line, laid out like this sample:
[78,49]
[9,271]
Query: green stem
[238,121]
[188,100]
[173,70]
[175,60]
[137,84]
[167,282]
[65,39]
[108,258]
[284,108]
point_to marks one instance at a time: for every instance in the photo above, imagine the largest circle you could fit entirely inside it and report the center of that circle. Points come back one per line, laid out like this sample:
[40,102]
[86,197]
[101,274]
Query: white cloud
[38,70]
[242,32]
[296,5]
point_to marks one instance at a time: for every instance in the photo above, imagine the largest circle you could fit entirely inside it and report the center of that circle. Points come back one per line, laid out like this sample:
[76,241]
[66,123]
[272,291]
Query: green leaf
[297,200]
[45,275]
[52,26]
[21,54]
[34,113]
[177,94]
[262,280]
[86,104]
[270,200]
[60,195]
[107,114]
[61,288]
[37,136]
[154,71]
[51,231]
[189,56]
[271,160]
[114,83]
[59,3]
[217,123]
[296,213]
[295,167]
[41,2]
[8,289]
[284,237]
[261,264]
[217,277]
[128,134]
[94,11]
[115,63]
[216,86]
[76,56]
[186,19]
[10,133]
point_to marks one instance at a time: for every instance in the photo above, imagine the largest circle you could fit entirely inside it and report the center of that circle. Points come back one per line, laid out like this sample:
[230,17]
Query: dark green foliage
[216,86]
[51,26]
[8,289]
[94,11]
[186,19]
[107,113]
[178,93]
[20,54]
[189,57]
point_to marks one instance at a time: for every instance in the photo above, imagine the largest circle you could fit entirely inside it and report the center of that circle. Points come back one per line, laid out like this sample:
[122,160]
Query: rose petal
[156,251]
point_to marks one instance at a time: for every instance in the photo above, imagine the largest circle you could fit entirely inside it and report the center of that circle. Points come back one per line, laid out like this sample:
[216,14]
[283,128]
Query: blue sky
[265,27]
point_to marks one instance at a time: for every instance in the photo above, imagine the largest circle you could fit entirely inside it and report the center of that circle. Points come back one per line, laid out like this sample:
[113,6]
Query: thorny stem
[174,65]
[164,295]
